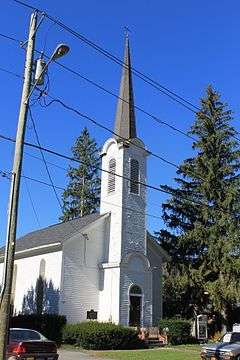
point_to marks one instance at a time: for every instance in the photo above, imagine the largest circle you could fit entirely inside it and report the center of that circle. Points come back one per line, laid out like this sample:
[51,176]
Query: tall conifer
[202,218]
[82,195]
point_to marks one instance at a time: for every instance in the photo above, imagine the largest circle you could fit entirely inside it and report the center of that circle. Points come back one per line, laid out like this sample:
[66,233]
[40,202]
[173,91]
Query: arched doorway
[135,305]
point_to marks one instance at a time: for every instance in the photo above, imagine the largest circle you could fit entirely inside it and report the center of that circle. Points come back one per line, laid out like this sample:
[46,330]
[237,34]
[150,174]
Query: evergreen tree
[29,305]
[39,294]
[202,218]
[82,195]
[43,299]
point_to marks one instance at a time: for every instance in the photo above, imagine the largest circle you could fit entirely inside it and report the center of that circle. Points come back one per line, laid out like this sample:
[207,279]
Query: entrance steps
[152,337]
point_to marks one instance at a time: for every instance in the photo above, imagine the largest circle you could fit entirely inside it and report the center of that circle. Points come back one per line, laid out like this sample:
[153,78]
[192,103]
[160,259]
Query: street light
[41,66]
[61,50]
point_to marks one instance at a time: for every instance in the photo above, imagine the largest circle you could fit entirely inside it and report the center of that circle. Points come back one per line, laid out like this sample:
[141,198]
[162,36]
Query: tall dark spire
[125,125]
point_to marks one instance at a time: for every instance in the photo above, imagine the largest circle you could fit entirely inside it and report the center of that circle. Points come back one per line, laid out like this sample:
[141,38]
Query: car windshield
[21,334]
[231,337]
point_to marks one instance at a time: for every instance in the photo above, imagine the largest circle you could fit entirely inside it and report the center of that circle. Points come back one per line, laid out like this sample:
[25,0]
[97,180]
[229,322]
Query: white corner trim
[36,249]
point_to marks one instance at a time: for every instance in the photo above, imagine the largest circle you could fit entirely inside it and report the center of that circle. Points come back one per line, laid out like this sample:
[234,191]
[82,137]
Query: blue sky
[184,45]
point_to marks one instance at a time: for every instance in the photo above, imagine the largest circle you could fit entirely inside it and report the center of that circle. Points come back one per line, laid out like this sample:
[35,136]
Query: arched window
[135,290]
[111,176]
[42,268]
[134,176]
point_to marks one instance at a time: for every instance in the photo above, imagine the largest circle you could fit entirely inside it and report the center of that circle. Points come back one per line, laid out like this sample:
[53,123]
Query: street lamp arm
[61,50]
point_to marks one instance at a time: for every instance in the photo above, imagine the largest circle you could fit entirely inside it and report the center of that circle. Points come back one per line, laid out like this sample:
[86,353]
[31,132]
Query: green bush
[50,325]
[101,336]
[179,331]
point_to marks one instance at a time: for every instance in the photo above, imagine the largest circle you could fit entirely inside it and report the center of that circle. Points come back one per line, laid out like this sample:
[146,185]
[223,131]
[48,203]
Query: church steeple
[125,124]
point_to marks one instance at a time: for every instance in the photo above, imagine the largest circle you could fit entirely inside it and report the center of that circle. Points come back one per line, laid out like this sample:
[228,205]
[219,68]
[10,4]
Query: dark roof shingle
[54,233]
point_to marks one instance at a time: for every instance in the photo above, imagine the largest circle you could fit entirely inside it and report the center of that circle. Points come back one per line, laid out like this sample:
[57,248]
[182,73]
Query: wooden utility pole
[17,169]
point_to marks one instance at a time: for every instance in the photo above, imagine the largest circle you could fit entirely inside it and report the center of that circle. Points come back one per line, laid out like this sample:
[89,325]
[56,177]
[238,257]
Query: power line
[11,73]
[70,108]
[48,162]
[127,141]
[152,187]
[32,203]
[6,174]
[65,169]
[9,38]
[97,123]
[163,89]
[105,202]
[107,129]
[43,158]
[110,92]
[154,117]
[53,152]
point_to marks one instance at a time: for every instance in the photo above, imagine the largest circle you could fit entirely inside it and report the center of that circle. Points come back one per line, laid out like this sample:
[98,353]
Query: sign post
[202,334]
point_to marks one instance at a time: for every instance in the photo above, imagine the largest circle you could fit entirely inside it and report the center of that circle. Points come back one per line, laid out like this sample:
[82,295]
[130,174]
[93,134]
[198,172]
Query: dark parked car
[26,344]
[228,348]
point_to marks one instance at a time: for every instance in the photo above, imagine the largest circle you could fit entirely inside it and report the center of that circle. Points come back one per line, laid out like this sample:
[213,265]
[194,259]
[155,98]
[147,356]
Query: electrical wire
[109,130]
[32,203]
[163,89]
[106,128]
[100,87]
[43,158]
[53,152]
[105,202]
[125,140]
[152,187]
[154,117]
[111,93]
[11,73]
[9,38]
[66,169]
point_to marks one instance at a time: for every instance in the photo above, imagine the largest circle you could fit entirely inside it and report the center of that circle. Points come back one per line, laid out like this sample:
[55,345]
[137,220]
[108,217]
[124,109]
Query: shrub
[50,325]
[179,331]
[101,336]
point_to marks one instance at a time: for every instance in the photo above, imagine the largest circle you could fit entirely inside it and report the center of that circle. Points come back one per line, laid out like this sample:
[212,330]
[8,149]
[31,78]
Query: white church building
[106,262]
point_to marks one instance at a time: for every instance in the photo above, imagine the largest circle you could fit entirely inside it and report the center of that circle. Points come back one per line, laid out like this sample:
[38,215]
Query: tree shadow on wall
[41,299]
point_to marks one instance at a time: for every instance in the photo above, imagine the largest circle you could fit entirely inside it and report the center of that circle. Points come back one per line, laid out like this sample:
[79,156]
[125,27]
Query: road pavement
[75,355]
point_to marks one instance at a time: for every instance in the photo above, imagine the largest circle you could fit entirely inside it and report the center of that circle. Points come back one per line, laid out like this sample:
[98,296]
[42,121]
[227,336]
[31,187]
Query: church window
[135,290]
[134,176]
[42,268]
[111,176]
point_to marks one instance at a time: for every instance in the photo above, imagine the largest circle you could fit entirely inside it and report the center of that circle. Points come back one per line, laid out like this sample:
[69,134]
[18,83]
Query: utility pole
[17,169]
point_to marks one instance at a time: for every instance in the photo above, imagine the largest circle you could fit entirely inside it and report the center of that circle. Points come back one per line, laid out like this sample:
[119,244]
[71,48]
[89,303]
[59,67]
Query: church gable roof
[53,234]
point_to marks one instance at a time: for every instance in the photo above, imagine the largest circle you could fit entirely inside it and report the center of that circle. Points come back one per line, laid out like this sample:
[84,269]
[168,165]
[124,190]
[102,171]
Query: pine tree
[82,195]
[202,218]
[39,295]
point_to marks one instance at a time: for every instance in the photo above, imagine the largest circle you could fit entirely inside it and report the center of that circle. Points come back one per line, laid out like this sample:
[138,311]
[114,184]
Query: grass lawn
[188,352]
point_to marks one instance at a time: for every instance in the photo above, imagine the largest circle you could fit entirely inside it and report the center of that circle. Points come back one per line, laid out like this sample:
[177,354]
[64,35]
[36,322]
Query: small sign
[92,315]
[202,327]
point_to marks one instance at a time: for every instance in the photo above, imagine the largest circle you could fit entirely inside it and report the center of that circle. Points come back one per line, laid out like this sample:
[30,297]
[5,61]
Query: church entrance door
[135,306]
